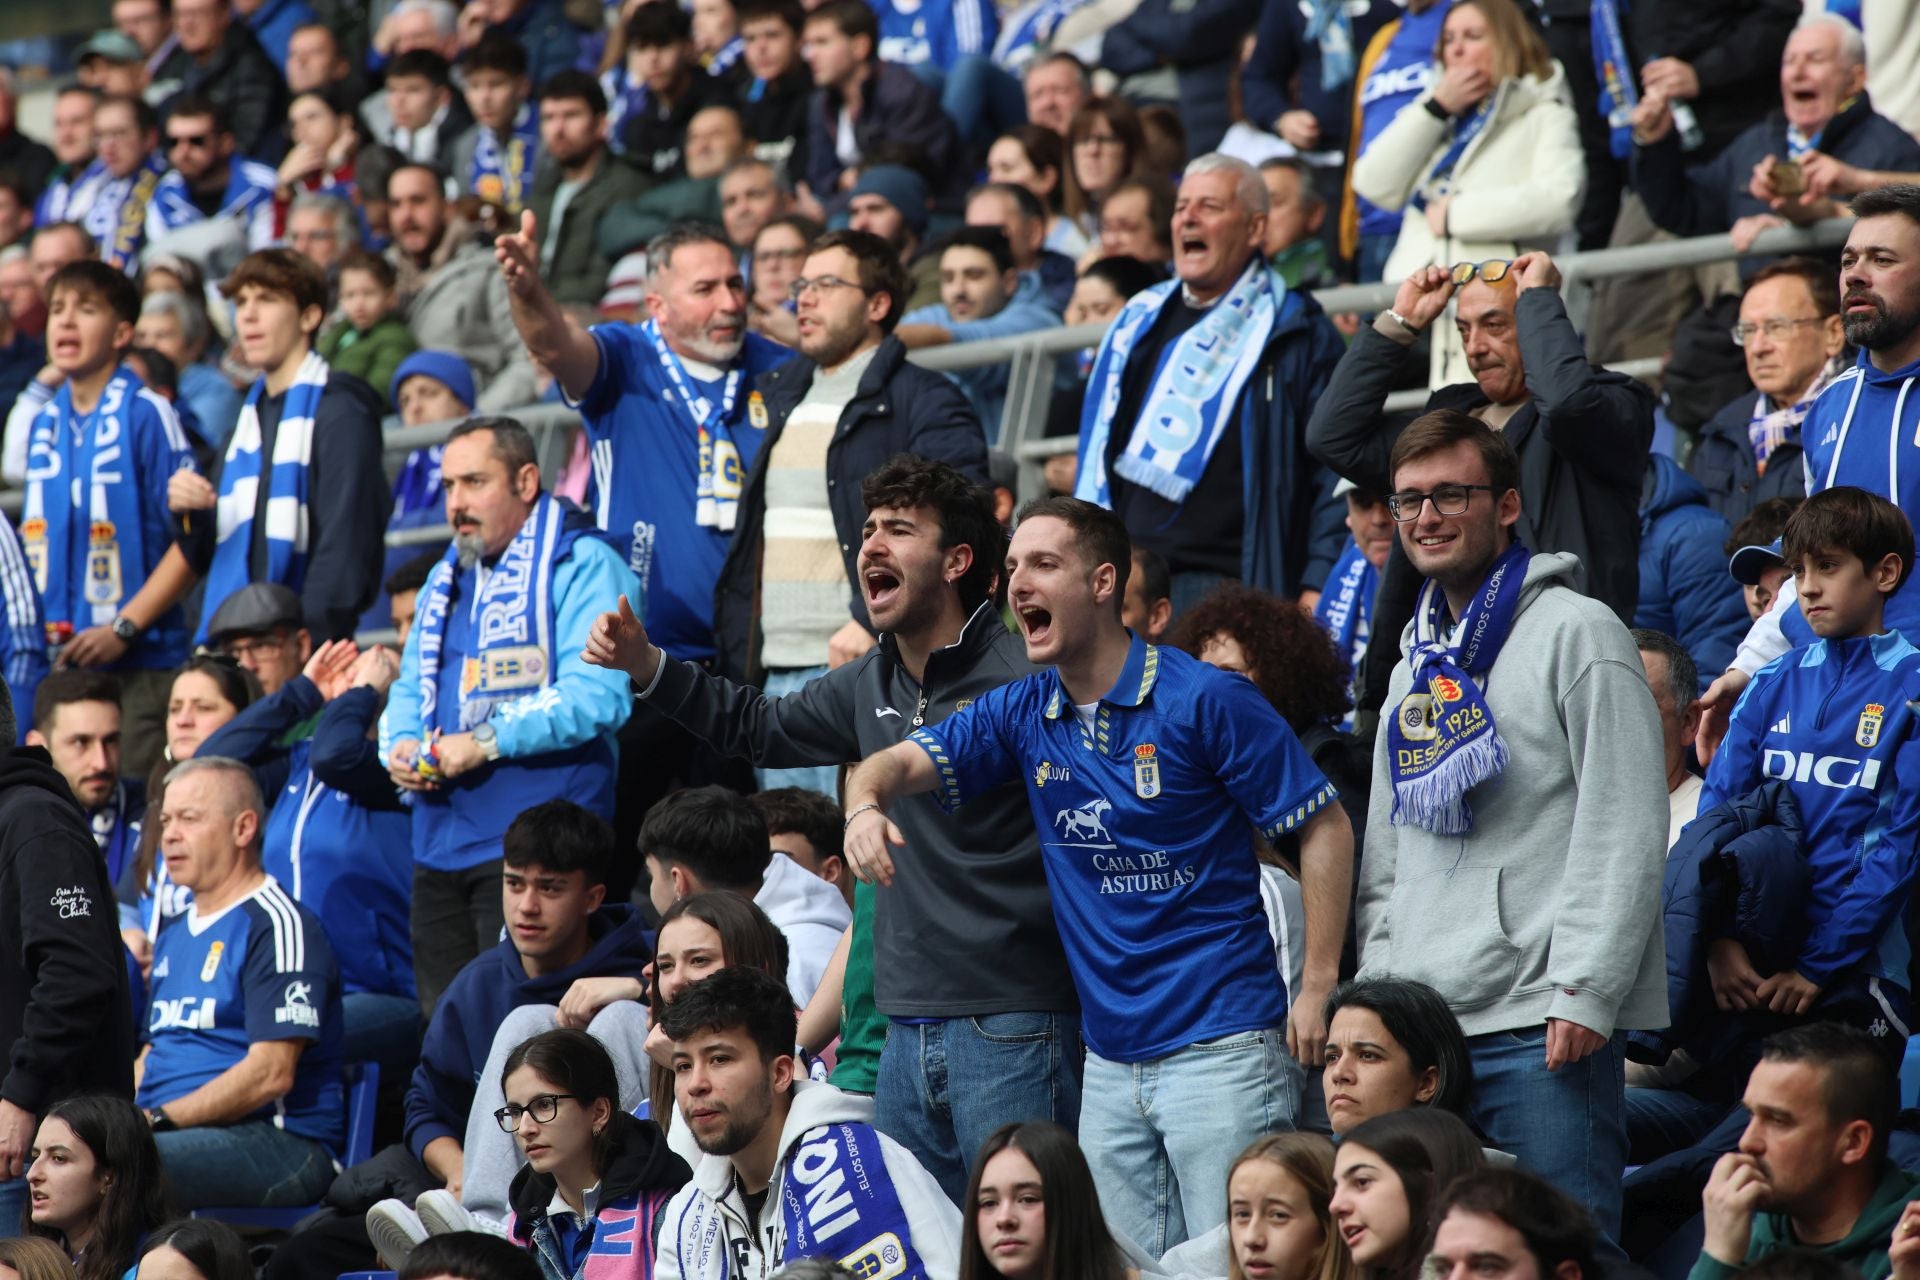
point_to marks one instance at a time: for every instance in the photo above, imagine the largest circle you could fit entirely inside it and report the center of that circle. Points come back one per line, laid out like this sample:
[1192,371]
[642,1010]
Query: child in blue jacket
[1835,720]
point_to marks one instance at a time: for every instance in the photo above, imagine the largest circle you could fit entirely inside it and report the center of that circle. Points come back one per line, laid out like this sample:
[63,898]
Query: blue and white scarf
[727,56]
[1029,27]
[249,185]
[717,484]
[837,1199]
[1613,68]
[1768,429]
[83,489]
[1196,387]
[625,98]
[68,198]
[1464,130]
[1345,608]
[1330,24]
[286,477]
[1442,738]
[117,218]
[501,175]
[511,609]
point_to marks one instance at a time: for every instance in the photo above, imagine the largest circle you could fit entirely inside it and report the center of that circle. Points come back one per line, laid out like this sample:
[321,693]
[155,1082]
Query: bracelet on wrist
[856,813]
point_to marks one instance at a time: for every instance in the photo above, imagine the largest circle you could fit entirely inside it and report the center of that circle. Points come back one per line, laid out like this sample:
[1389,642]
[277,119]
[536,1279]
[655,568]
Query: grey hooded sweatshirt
[1550,908]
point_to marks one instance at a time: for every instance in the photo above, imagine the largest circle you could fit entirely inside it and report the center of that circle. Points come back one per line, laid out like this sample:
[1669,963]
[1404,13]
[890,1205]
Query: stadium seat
[362,1080]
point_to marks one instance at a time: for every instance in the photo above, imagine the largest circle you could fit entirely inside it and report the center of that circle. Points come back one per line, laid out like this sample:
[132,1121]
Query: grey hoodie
[706,1236]
[1551,907]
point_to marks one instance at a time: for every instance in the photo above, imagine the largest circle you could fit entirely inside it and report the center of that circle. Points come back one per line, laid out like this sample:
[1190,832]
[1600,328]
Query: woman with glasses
[779,251]
[1484,165]
[1105,147]
[596,1179]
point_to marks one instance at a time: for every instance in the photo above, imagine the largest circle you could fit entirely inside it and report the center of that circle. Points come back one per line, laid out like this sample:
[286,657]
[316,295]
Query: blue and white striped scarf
[512,611]
[117,218]
[248,186]
[1196,387]
[287,474]
[1332,27]
[504,175]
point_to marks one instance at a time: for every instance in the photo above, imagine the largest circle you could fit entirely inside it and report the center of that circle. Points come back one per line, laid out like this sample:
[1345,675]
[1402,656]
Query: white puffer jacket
[1517,187]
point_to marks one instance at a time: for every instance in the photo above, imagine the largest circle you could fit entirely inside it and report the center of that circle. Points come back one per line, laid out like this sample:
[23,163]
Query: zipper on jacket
[920,711]
[1833,687]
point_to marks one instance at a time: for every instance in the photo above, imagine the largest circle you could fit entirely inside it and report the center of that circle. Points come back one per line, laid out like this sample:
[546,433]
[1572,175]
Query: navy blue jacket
[552,43]
[898,107]
[1722,461]
[1707,199]
[493,985]
[1200,40]
[899,408]
[1286,59]
[1740,872]
[1685,589]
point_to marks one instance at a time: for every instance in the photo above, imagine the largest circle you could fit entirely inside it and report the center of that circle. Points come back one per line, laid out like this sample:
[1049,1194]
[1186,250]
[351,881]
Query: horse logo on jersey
[1146,771]
[1085,823]
[1867,732]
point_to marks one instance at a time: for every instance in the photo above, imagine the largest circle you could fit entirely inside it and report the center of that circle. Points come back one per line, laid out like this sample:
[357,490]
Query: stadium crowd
[698,819]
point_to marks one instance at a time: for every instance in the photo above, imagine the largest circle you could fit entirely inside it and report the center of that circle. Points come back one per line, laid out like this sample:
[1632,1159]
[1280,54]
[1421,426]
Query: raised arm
[553,337]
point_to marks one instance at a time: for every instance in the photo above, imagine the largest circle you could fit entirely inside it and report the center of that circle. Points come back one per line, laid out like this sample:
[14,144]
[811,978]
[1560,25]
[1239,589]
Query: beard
[831,346]
[469,547]
[1882,328]
[740,1129]
[721,351]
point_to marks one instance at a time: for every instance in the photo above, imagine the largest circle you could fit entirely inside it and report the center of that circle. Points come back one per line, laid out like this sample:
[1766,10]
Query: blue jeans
[253,1164]
[944,1087]
[1662,1121]
[1370,263]
[383,1029]
[1160,1134]
[1189,587]
[1565,1125]
[824,778]
[982,98]
[13,1206]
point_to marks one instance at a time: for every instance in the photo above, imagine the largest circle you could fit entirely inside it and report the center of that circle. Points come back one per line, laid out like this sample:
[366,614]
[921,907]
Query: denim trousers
[255,1164]
[824,778]
[13,1203]
[456,916]
[1662,1121]
[383,1029]
[944,1087]
[1159,1134]
[1567,1126]
[981,97]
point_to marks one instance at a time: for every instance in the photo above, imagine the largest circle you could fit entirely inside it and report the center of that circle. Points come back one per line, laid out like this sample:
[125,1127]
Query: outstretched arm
[903,769]
[553,338]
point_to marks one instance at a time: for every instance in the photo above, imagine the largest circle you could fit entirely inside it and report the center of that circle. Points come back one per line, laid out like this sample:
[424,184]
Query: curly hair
[1293,661]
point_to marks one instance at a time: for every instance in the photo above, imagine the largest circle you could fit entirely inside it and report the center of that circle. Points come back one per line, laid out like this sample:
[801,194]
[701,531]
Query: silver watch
[124,628]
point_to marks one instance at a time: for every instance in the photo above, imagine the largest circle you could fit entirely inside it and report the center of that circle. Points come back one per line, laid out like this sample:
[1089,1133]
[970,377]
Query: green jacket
[1864,1248]
[629,225]
[373,354]
[578,272]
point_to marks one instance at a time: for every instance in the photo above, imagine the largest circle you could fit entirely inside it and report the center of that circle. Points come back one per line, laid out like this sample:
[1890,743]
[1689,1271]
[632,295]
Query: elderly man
[487,720]
[1582,433]
[1790,333]
[222,59]
[321,228]
[1229,491]
[263,628]
[751,196]
[1825,117]
[452,298]
[240,1074]
[131,168]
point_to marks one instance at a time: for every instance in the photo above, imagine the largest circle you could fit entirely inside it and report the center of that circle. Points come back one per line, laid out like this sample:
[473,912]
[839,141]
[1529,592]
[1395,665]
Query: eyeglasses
[544,1107]
[1098,141]
[801,287]
[1776,329]
[190,140]
[1493,271]
[780,255]
[264,647]
[1448,500]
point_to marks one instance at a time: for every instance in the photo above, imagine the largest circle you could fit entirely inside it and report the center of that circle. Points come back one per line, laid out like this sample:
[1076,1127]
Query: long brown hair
[1079,1244]
[135,1200]
[1308,1160]
[747,938]
[1518,49]
[1125,123]
[241,689]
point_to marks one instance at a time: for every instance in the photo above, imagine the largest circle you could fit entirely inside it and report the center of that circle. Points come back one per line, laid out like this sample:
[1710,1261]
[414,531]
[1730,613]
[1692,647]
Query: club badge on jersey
[1146,771]
[1867,732]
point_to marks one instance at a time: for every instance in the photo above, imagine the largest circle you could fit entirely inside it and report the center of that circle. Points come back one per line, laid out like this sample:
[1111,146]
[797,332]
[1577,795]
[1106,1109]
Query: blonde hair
[1308,1159]
[1518,49]
[35,1258]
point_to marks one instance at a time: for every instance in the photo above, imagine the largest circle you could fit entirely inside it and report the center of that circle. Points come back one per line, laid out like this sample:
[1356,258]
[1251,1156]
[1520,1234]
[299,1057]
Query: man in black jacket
[964,945]
[65,1013]
[1582,433]
[846,405]
[222,60]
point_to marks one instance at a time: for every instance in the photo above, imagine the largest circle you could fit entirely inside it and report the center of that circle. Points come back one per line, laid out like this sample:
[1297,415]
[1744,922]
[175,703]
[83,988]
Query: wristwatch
[124,628]
[160,1121]
[488,740]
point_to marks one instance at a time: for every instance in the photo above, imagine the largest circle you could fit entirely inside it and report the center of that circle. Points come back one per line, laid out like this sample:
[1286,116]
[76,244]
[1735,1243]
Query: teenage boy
[494,160]
[965,953]
[1835,722]
[773,94]
[661,57]
[301,496]
[429,118]
[108,579]
[1144,768]
[790,1169]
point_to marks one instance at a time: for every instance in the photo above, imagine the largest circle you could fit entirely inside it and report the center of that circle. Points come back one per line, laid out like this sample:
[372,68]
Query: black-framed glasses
[1776,328]
[1448,500]
[1493,271]
[801,287]
[543,1107]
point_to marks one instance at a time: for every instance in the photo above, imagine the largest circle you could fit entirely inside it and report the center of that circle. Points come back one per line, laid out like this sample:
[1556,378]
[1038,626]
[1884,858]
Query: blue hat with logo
[1749,563]
[443,367]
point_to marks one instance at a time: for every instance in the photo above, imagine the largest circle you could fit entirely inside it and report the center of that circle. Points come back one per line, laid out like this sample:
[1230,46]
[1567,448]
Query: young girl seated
[1032,1213]
[1388,1175]
[1278,1211]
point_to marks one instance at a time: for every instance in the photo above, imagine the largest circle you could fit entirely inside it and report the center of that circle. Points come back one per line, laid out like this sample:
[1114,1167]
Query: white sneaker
[441,1212]
[395,1230]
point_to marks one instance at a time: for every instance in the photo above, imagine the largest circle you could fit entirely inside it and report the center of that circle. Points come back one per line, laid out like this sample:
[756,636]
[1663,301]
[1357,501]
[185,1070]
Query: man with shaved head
[1582,433]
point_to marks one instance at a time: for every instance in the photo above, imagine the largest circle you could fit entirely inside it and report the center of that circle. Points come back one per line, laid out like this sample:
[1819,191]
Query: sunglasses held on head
[1493,271]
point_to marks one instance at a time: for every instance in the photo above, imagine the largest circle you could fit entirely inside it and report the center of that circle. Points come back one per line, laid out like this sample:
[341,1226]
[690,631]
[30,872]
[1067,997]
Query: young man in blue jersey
[240,1072]
[1147,773]
[674,417]
[108,578]
[494,710]
[1835,721]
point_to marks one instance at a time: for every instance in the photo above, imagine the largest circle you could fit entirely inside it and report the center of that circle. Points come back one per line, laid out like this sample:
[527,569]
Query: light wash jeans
[1160,1134]
[944,1087]
[824,778]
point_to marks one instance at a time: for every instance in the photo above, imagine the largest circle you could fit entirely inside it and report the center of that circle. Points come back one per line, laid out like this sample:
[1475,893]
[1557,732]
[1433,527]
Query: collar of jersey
[1130,690]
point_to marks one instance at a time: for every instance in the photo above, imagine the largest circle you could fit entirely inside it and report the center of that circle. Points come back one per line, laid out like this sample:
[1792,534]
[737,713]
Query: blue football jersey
[260,969]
